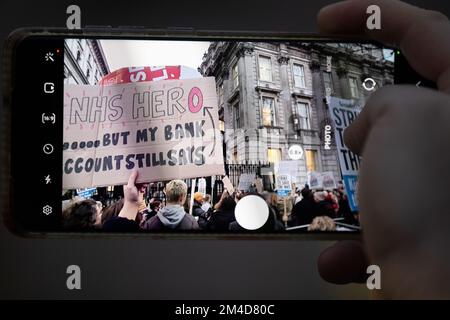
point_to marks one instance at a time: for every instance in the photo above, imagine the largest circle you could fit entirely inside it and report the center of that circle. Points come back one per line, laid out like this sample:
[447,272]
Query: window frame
[308,111]
[278,151]
[315,158]
[235,75]
[236,112]
[269,59]
[220,94]
[355,78]
[273,116]
[302,67]
[330,74]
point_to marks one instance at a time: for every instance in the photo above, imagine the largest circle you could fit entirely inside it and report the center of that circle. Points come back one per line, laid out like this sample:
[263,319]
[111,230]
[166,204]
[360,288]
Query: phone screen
[194,136]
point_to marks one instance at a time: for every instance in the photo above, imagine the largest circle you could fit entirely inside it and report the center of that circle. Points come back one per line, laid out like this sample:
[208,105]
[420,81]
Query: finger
[132,179]
[422,35]
[344,262]
[390,105]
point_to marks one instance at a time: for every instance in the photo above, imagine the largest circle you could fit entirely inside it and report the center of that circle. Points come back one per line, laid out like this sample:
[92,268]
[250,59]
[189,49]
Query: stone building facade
[274,95]
[84,61]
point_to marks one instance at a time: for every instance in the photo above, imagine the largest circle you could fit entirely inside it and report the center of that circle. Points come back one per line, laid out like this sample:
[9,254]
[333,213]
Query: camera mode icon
[49,87]
[48,118]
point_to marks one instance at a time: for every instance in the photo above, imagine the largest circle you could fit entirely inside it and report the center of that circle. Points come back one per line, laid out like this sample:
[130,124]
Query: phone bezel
[136,34]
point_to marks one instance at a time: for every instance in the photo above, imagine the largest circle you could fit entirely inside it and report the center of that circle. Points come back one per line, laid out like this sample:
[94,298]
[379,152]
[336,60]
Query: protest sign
[259,185]
[283,184]
[293,168]
[314,180]
[245,181]
[86,193]
[343,112]
[164,129]
[202,186]
[228,185]
[328,182]
[283,192]
[321,180]
[149,73]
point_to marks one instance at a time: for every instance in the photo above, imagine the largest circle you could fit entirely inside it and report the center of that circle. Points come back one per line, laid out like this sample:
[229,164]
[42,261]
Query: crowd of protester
[306,209]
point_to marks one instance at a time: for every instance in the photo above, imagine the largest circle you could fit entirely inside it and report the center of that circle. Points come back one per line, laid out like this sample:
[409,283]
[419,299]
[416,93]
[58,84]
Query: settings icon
[46,210]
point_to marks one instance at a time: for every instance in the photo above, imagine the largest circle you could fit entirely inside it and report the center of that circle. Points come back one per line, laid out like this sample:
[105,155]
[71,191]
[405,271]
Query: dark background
[156,269]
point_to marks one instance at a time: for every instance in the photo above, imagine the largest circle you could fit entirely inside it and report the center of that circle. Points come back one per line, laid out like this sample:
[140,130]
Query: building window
[221,125]
[304,115]
[236,116]
[311,160]
[235,76]
[268,112]
[220,94]
[235,157]
[328,81]
[273,155]
[299,76]
[78,55]
[265,68]
[353,87]
[66,72]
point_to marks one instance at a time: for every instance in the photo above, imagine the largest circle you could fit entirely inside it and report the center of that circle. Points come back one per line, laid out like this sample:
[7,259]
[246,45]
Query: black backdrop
[169,269]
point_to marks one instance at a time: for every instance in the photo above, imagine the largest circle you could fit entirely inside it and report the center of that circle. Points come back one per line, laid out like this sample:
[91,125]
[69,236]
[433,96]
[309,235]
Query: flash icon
[48,180]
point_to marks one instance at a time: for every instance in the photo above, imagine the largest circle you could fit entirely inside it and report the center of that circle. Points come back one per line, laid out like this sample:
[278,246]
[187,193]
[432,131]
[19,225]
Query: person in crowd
[82,215]
[325,206]
[322,223]
[197,211]
[297,196]
[344,207]
[238,195]
[154,207]
[333,200]
[187,204]
[305,210]
[128,218]
[173,215]
[272,202]
[206,206]
[224,213]
[112,211]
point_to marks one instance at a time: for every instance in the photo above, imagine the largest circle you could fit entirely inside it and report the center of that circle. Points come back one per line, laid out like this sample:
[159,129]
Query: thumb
[132,179]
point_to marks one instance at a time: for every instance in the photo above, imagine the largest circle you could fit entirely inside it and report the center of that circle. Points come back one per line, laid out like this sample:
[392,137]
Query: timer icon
[48,148]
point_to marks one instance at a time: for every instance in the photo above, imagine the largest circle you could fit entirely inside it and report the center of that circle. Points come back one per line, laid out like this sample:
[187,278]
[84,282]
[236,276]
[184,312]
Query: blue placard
[86,193]
[350,187]
[283,192]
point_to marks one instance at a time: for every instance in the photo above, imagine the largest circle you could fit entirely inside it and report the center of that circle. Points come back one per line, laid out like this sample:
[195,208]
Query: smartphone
[181,133]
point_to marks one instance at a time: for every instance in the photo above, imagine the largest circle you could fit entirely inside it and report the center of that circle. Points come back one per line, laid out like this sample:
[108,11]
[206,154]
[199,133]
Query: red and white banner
[140,74]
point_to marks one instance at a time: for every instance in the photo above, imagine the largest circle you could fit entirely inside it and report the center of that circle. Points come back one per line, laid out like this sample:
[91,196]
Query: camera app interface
[219,137]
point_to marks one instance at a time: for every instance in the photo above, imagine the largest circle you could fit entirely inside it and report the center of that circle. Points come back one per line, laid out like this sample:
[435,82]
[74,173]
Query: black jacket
[325,208]
[220,220]
[346,213]
[304,211]
[120,224]
[197,210]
